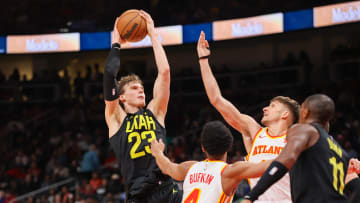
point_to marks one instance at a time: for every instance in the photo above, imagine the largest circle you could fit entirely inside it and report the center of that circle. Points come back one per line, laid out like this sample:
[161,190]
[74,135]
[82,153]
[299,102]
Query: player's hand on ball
[149,23]
[246,201]
[203,47]
[157,147]
[115,35]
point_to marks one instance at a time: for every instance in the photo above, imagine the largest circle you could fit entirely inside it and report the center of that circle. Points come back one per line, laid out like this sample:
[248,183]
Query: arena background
[52,109]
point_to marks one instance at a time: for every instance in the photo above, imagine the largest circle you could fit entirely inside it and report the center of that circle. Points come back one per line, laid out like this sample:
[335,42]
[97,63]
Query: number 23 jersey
[131,145]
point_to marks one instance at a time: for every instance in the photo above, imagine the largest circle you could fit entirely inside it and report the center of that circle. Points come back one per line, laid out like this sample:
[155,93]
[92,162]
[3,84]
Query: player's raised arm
[174,170]
[241,122]
[161,92]
[113,113]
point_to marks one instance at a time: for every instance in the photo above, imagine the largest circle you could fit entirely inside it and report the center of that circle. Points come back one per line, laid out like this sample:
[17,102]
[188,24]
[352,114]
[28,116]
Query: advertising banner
[247,27]
[43,43]
[168,35]
[337,14]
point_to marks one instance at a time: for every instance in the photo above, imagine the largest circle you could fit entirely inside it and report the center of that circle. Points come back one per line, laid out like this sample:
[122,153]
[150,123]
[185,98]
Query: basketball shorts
[168,191]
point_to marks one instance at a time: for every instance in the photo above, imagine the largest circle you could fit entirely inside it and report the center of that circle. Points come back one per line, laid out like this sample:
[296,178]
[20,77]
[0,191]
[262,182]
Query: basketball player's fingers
[146,16]
[199,41]
[202,39]
[154,142]
[143,16]
[357,165]
[145,13]
[207,44]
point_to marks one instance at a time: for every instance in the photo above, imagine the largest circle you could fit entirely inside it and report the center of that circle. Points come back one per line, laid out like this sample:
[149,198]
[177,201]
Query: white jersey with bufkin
[202,183]
[266,147]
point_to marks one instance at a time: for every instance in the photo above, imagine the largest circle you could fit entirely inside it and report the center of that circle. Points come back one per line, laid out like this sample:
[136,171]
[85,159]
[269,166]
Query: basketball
[131,26]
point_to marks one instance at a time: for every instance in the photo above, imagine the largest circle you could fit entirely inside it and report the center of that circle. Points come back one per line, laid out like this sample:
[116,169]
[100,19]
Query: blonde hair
[126,80]
[293,106]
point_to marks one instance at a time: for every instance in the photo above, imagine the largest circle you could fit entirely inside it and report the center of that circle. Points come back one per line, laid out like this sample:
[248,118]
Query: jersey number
[134,153]
[193,197]
[337,167]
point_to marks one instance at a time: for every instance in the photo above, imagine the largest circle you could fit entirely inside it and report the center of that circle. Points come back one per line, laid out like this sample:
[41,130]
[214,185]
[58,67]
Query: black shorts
[168,191]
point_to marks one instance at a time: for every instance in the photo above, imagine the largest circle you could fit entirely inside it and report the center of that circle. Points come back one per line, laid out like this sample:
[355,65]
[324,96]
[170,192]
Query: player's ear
[285,114]
[327,126]
[305,113]
[122,98]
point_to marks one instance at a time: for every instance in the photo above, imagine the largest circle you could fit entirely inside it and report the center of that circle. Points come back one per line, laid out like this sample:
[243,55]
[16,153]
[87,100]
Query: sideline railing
[43,189]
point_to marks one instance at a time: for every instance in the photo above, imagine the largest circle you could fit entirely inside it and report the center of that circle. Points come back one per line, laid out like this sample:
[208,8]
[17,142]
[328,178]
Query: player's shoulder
[301,128]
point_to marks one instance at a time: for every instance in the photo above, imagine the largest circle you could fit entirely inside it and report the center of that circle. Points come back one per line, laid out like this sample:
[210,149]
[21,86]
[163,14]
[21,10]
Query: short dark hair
[320,106]
[216,138]
[293,106]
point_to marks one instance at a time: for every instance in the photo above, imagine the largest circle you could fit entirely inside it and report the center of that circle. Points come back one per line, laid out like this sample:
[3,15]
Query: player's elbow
[215,100]
[165,71]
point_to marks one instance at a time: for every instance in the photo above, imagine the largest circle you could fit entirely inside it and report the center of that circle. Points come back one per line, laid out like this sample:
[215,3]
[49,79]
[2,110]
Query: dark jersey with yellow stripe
[319,173]
[131,145]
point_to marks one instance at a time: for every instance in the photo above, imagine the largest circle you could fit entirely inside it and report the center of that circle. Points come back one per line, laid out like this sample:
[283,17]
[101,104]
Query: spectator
[79,85]
[90,162]
[15,76]
[67,196]
[95,181]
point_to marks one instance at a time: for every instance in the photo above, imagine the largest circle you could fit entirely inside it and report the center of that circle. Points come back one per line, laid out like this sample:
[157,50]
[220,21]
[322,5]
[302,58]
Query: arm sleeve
[112,65]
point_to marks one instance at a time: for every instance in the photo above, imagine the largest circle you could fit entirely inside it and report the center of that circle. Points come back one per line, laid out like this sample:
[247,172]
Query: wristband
[204,57]
[116,45]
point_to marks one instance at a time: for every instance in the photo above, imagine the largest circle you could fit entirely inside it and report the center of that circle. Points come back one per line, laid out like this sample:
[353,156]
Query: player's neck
[222,158]
[323,124]
[131,109]
[277,129]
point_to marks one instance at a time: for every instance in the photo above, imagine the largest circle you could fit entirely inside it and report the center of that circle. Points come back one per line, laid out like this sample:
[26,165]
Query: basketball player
[133,125]
[316,160]
[211,180]
[261,143]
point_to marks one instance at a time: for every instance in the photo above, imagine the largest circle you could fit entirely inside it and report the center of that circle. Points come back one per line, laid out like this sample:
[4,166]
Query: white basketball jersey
[267,147]
[202,183]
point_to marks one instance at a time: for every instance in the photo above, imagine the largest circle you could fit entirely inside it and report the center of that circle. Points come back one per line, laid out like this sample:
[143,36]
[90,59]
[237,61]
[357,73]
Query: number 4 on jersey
[193,197]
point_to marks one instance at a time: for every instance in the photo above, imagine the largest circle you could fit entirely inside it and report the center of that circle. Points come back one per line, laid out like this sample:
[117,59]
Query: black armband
[116,45]
[275,171]
[204,57]
[112,65]
[352,190]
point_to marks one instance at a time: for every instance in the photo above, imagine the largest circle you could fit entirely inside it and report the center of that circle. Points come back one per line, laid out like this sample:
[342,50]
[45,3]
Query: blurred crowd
[41,16]
[43,143]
